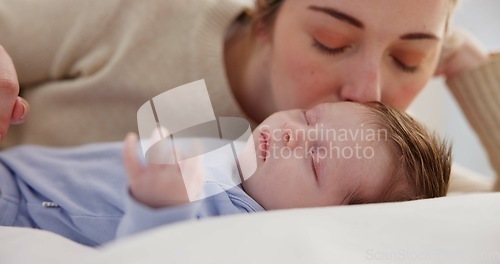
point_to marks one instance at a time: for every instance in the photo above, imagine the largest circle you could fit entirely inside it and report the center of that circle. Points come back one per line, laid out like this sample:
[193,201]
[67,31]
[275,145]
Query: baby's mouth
[264,146]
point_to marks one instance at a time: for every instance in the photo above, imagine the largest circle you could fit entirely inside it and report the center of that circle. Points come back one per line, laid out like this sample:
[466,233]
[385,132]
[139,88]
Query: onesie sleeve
[138,217]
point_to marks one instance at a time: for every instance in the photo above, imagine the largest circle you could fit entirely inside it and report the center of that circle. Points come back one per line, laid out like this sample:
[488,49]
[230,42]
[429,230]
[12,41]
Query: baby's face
[320,157]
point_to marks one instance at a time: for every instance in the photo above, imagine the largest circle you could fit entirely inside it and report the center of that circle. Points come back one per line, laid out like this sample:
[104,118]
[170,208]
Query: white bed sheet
[457,229]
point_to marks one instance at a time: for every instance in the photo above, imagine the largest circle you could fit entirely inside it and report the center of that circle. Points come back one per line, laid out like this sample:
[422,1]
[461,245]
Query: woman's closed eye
[403,66]
[324,49]
[328,50]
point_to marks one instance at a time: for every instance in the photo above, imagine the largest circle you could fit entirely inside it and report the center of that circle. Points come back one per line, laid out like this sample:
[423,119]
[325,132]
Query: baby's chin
[251,188]
[247,156]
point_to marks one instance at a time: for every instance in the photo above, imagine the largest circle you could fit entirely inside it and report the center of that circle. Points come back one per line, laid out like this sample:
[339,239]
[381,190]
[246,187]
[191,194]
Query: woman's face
[354,50]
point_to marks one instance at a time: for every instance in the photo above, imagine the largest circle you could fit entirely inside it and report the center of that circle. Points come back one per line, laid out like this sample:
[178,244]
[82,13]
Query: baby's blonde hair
[423,160]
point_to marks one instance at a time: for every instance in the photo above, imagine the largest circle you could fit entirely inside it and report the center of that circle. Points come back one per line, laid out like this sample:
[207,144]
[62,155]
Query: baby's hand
[160,185]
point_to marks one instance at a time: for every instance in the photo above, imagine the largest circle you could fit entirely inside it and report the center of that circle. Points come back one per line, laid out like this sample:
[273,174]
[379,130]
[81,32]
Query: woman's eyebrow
[418,36]
[338,15]
[357,23]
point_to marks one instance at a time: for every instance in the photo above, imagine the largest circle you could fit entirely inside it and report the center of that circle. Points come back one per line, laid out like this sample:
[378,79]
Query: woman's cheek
[401,97]
[303,81]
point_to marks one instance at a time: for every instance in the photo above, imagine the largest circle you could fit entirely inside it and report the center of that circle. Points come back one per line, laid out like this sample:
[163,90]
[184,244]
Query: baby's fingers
[193,172]
[133,165]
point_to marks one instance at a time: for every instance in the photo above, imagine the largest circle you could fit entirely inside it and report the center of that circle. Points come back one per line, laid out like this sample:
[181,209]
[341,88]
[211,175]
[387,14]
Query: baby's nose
[294,138]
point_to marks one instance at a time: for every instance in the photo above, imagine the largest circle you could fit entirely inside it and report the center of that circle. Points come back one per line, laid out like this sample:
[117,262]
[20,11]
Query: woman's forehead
[407,15]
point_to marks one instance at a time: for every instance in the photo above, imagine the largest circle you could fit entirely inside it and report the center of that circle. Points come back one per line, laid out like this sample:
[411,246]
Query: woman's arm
[478,94]
[473,76]
[48,39]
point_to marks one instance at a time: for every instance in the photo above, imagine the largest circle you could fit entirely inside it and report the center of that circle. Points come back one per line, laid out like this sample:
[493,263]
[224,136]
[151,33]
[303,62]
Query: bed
[453,229]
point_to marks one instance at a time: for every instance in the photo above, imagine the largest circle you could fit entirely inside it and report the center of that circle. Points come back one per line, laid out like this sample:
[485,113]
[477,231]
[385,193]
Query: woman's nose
[362,84]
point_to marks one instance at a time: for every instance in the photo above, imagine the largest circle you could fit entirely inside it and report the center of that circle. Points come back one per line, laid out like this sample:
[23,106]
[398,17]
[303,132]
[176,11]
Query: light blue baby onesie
[81,193]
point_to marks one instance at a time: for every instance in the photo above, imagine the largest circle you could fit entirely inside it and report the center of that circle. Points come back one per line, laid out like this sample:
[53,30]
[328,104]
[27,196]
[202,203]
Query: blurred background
[436,107]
